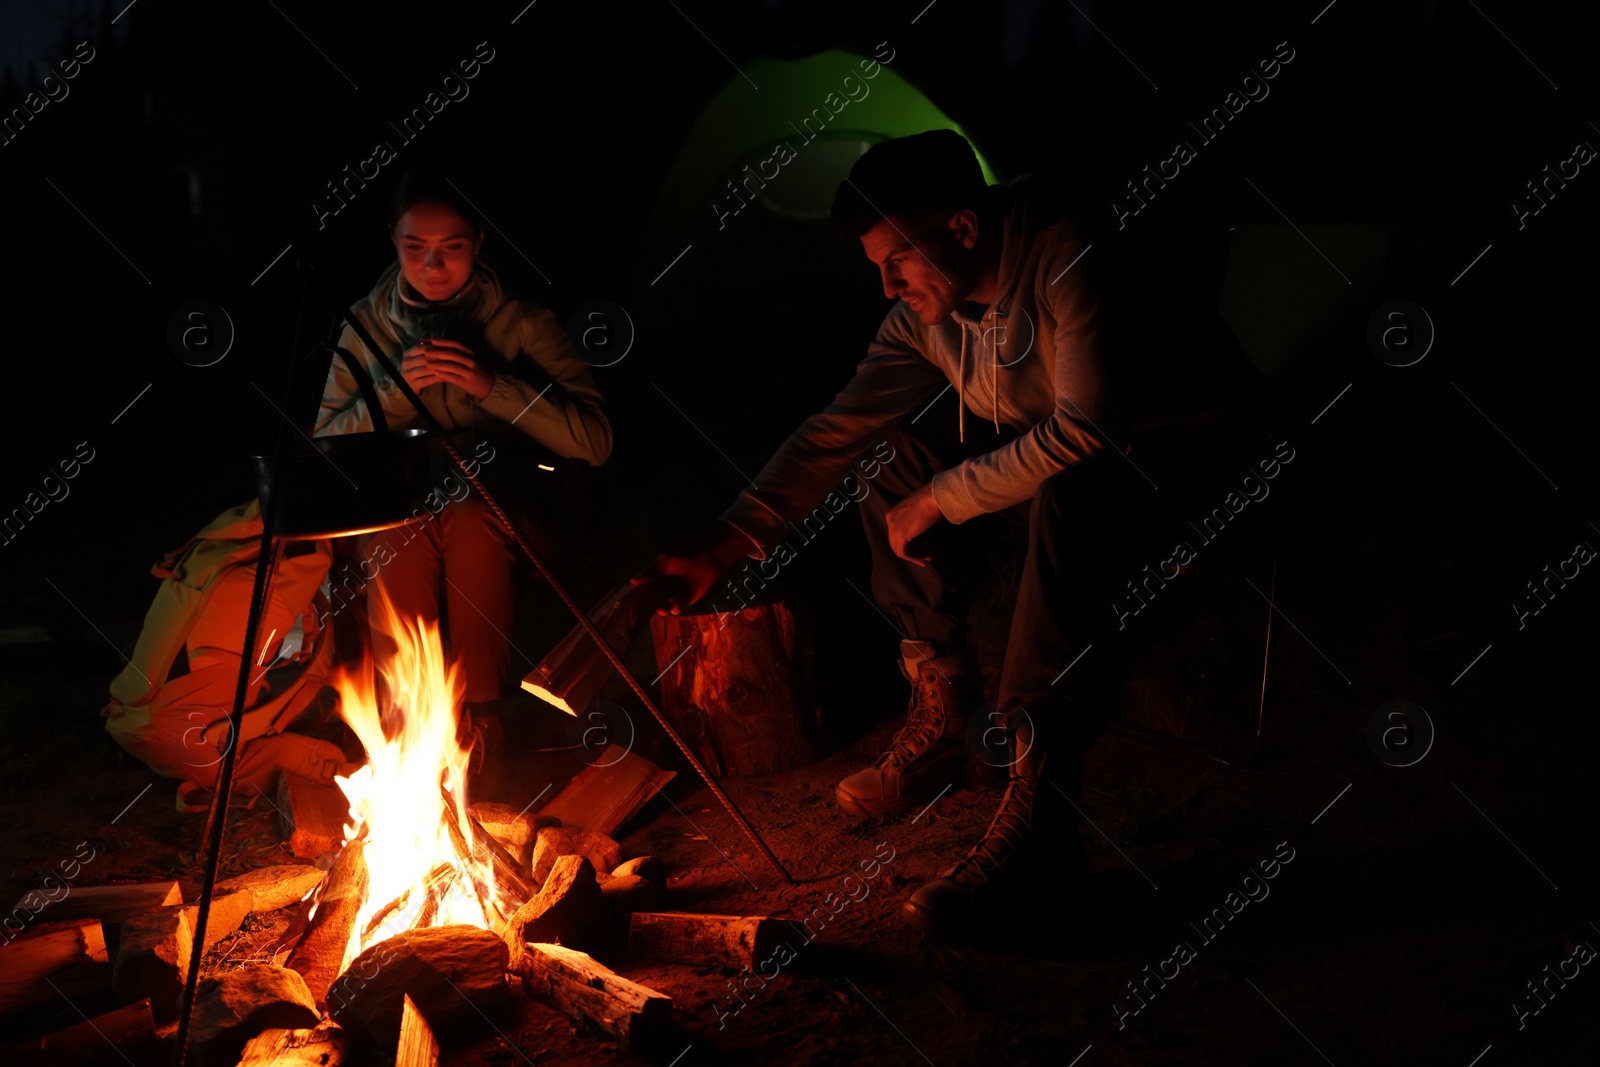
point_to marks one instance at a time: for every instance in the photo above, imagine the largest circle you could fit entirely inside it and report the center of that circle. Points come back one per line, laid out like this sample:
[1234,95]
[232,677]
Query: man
[997,298]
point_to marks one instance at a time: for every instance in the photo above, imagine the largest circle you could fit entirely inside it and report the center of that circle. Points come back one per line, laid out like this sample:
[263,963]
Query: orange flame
[396,803]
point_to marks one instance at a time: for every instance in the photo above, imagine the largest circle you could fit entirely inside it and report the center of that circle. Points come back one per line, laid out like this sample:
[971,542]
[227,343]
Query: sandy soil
[1399,932]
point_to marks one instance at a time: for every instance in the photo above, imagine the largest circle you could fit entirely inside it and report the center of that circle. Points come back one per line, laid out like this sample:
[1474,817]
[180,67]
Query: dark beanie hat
[906,175]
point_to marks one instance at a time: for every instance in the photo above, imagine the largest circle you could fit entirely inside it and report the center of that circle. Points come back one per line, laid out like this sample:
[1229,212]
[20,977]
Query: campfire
[427,862]
[414,860]
[423,912]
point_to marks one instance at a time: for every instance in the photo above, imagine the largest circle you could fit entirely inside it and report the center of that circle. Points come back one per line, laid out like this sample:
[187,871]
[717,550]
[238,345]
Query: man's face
[928,262]
[436,247]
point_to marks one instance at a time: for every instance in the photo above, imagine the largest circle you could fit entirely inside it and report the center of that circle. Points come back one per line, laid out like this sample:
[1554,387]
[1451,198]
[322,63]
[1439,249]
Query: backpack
[185,664]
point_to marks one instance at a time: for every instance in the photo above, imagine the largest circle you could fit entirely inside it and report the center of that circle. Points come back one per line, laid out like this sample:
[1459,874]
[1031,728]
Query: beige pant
[190,746]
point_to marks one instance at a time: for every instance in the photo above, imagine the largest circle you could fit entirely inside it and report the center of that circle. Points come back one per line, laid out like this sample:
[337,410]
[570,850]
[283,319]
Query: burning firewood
[430,885]
[506,870]
[235,1006]
[428,861]
[477,888]
[736,941]
[274,887]
[311,815]
[574,983]
[418,1046]
[605,795]
[453,973]
[325,1046]
[514,829]
[109,903]
[319,955]
[125,1035]
[71,954]
[418,897]
[569,908]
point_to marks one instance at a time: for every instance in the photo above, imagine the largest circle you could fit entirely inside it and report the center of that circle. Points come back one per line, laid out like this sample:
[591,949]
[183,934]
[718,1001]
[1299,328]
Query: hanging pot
[346,483]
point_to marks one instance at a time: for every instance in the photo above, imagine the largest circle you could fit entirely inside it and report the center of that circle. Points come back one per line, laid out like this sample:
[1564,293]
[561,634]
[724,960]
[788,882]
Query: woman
[500,375]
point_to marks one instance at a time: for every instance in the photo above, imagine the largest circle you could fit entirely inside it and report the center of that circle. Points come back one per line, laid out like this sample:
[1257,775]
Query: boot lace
[1006,832]
[924,725]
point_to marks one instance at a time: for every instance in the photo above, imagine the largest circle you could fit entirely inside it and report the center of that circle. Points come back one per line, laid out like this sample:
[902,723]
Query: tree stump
[737,685]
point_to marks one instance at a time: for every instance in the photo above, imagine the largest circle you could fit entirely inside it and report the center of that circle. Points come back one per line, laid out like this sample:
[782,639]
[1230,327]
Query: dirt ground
[1398,930]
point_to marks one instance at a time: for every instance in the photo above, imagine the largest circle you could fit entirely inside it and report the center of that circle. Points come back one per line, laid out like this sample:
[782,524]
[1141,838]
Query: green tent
[749,192]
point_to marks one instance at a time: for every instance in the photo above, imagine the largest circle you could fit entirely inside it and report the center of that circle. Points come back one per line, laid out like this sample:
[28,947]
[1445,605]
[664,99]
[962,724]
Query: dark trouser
[458,563]
[927,603]
[1091,529]
[465,550]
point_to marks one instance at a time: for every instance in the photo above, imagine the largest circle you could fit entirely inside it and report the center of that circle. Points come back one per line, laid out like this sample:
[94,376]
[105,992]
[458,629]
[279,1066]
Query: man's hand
[910,519]
[453,362]
[682,578]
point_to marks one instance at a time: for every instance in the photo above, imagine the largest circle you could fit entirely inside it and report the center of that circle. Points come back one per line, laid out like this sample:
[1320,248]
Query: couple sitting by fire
[991,297]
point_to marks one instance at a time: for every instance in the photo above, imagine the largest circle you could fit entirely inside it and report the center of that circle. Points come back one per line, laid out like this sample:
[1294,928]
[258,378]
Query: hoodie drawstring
[994,383]
[961,389]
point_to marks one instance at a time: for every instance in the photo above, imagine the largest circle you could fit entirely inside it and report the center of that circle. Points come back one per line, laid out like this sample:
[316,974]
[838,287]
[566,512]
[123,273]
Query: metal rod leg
[578,613]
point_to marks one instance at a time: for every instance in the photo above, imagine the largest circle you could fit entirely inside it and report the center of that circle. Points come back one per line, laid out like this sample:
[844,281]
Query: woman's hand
[436,359]
[454,362]
[415,368]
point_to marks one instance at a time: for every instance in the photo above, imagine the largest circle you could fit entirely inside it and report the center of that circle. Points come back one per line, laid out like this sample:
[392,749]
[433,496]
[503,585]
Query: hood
[1028,203]
[1032,202]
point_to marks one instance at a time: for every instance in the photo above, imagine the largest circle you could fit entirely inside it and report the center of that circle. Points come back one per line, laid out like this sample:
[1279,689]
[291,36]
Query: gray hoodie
[1042,360]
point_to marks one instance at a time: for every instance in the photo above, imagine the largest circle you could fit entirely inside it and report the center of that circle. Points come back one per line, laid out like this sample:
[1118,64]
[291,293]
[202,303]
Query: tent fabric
[825,108]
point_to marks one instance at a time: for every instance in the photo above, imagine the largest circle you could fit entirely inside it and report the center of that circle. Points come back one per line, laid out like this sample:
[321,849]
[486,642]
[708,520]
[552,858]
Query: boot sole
[950,929]
[878,808]
[950,768]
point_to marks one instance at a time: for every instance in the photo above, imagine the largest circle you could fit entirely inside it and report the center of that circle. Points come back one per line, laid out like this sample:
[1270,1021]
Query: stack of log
[133,943]
[587,909]
[573,907]
[563,892]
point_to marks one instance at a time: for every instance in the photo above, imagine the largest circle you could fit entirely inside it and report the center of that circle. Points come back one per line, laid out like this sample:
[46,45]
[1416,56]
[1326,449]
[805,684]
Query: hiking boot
[1031,847]
[193,797]
[325,761]
[928,753]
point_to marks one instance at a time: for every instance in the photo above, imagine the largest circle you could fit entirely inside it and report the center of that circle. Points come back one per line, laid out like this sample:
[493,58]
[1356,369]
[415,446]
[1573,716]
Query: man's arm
[568,416]
[891,382]
[1075,432]
[681,578]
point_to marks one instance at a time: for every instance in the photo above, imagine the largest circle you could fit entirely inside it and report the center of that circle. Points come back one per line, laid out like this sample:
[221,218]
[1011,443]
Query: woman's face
[437,247]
